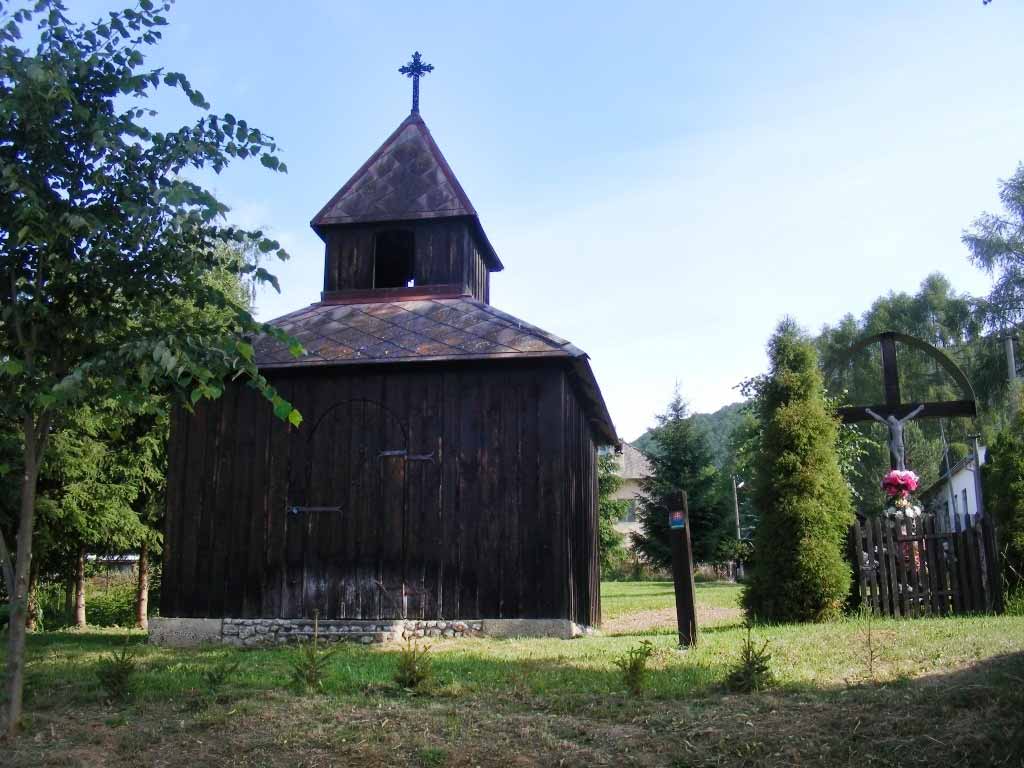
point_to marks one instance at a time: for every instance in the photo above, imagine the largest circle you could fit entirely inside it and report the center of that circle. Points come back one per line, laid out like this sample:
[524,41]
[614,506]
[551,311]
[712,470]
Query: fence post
[682,574]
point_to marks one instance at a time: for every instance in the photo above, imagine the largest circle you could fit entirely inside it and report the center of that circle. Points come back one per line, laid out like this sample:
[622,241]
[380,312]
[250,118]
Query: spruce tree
[799,573]
[681,462]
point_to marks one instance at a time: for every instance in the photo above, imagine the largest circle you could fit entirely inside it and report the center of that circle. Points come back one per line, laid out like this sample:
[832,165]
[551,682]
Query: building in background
[632,466]
[953,498]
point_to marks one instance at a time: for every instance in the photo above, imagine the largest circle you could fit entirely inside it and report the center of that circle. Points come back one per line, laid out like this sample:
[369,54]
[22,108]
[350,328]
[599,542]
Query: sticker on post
[676,520]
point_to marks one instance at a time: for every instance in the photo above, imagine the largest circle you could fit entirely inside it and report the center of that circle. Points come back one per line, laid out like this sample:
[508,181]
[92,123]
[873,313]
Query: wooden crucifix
[894,413]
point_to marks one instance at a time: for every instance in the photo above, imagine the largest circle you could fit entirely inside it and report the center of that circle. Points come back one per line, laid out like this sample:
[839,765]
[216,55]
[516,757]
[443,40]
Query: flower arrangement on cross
[898,484]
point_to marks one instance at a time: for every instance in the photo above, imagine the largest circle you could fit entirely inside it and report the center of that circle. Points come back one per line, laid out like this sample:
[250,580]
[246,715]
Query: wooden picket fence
[909,569]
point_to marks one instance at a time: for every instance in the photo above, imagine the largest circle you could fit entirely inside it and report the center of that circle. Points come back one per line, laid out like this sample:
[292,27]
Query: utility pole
[739,531]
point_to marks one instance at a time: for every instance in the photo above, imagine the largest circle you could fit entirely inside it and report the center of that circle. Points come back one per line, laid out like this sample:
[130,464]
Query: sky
[664,181]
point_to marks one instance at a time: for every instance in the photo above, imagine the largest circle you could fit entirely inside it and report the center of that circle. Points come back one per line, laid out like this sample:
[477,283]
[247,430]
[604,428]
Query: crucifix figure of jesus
[897,447]
[416,69]
[895,413]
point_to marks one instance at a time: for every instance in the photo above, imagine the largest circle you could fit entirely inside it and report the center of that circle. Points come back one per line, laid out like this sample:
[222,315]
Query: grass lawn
[941,692]
[619,598]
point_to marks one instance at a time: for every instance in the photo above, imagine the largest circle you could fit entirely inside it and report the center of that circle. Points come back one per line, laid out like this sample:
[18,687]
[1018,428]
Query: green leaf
[282,408]
[245,350]
[11,367]
[196,394]
[295,418]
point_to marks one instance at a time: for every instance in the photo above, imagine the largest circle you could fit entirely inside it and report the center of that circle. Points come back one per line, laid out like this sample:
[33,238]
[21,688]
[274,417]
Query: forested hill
[718,426]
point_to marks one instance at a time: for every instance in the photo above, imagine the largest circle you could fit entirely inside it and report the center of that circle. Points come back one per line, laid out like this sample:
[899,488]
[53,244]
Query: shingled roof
[633,464]
[407,178]
[424,330]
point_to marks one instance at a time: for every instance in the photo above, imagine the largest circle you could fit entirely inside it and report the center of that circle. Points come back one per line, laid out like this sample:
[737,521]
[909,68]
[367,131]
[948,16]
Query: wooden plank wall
[909,569]
[445,253]
[490,514]
[582,517]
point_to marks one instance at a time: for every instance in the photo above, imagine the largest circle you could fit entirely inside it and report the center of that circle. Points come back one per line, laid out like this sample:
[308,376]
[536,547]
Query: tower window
[392,259]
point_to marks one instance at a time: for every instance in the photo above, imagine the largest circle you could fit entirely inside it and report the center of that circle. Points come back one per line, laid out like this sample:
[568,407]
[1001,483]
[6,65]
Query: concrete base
[184,633]
[188,633]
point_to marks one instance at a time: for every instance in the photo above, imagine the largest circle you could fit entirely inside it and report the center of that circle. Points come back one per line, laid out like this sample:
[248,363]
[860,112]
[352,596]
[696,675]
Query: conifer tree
[799,573]
[682,462]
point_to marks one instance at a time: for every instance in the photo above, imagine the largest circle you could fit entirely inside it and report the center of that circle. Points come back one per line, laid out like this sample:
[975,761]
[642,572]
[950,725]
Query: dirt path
[666,618]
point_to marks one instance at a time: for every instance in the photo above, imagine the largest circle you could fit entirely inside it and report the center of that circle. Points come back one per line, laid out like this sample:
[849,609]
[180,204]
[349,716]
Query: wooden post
[682,574]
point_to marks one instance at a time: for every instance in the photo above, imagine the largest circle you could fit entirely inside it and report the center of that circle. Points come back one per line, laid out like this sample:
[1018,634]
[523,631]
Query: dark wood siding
[466,491]
[446,253]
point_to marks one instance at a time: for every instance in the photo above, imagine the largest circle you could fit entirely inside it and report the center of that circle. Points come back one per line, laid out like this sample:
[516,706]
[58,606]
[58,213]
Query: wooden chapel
[446,464]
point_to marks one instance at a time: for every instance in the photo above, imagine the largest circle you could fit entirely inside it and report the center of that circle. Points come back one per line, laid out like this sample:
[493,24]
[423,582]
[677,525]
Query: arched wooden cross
[894,406]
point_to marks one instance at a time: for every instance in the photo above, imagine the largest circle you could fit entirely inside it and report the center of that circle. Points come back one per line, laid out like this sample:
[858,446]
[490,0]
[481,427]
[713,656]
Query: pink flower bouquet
[900,483]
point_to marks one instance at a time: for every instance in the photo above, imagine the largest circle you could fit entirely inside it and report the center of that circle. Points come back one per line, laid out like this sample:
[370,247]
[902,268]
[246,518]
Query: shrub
[1014,602]
[1004,496]
[633,664]
[432,757]
[309,665]
[798,573]
[116,672]
[609,512]
[113,606]
[216,676]
[752,672]
[415,666]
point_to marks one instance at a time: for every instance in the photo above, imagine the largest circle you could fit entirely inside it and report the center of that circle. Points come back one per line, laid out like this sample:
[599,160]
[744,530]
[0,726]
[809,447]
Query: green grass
[956,680]
[619,598]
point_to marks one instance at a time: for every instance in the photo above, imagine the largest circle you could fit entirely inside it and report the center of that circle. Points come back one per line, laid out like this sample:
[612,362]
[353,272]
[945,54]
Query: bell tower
[402,226]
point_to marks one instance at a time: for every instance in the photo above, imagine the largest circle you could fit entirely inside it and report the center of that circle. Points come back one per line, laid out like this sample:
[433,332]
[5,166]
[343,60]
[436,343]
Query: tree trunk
[142,597]
[32,611]
[80,589]
[34,442]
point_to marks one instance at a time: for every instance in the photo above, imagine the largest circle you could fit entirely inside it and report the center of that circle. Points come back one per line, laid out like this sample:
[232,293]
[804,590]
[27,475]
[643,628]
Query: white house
[953,497]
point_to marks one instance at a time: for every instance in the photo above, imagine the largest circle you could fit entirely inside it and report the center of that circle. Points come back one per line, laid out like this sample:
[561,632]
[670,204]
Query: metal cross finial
[416,69]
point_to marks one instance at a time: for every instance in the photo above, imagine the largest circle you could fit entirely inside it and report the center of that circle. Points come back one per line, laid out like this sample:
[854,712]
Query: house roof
[965,463]
[407,178]
[634,464]
[441,329]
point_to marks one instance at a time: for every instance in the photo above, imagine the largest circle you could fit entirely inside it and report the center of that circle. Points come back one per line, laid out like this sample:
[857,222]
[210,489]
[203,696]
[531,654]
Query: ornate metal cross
[416,69]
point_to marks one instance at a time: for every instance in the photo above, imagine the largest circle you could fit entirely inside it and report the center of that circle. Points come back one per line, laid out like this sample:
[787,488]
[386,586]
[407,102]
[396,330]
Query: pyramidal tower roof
[407,178]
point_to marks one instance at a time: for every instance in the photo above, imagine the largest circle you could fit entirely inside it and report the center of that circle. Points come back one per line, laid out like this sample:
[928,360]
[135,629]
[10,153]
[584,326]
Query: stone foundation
[249,633]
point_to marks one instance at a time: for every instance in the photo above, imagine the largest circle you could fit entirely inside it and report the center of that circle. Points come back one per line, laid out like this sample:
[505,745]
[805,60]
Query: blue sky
[664,181]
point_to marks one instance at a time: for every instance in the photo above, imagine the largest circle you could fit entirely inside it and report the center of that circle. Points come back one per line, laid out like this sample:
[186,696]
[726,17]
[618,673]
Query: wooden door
[356,546]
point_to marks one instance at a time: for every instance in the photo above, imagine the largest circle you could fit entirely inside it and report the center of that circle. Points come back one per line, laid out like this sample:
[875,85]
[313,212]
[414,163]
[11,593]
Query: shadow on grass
[546,708]
[62,669]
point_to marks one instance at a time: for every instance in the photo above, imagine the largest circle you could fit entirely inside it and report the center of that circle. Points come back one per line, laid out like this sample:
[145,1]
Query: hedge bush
[799,573]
